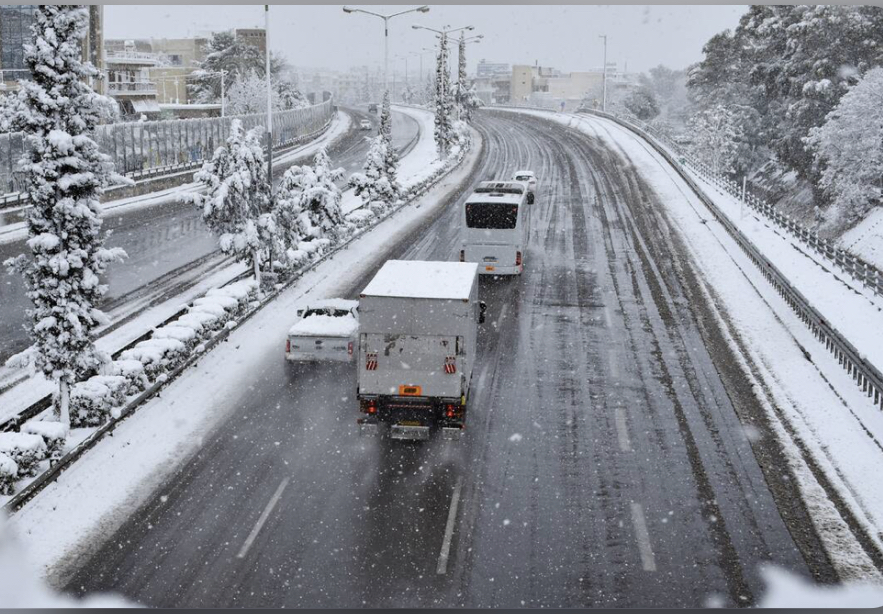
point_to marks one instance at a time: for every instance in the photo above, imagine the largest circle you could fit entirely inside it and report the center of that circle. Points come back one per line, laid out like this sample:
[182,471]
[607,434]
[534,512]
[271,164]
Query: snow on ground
[811,399]
[66,520]
[866,239]
[340,125]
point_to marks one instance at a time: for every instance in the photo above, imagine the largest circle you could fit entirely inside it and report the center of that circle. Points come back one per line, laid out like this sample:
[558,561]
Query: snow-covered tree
[308,201]
[390,159]
[10,107]
[64,176]
[224,52]
[642,104]
[373,185]
[237,203]
[461,88]
[428,93]
[715,137]
[849,150]
[444,132]
[249,95]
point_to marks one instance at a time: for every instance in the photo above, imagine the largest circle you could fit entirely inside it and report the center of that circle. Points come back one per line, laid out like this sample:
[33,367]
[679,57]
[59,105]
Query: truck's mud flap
[411,433]
[369,429]
[452,433]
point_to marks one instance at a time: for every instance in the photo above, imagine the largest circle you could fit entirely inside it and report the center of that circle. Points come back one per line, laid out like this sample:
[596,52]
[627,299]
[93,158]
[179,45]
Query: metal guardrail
[865,374]
[49,476]
[142,149]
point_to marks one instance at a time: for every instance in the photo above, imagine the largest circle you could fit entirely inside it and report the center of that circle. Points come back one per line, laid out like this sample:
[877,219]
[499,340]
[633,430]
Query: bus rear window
[491,215]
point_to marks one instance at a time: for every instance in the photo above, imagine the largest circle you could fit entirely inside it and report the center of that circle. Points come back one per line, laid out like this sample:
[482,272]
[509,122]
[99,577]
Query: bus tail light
[517,258]
[349,348]
[288,346]
[462,255]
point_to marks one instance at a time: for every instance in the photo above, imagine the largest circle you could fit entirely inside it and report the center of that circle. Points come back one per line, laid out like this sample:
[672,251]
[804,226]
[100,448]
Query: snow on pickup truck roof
[334,303]
[325,326]
[418,279]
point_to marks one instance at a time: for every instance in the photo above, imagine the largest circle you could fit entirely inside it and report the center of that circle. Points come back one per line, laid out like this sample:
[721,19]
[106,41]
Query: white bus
[495,228]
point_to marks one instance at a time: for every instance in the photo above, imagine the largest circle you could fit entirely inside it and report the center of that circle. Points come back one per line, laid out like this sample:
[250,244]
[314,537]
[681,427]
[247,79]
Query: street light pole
[386,18]
[269,96]
[223,98]
[604,99]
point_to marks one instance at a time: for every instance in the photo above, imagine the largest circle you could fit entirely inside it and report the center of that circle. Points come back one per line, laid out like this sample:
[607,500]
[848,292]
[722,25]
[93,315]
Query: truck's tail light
[449,411]
[462,255]
[517,258]
[287,346]
[450,365]
[371,362]
[349,348]
[369,407]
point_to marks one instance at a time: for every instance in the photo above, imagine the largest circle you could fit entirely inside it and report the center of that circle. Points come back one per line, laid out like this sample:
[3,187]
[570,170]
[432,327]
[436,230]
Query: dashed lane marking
[449,530]
[648,561]
[263,519]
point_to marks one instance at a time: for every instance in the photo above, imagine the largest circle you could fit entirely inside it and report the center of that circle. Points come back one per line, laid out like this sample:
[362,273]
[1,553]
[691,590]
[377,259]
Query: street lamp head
[423,9]
[470,27]
[347,9]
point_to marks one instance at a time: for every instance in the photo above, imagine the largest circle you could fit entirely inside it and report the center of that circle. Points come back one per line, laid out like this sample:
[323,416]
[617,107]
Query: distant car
[325,330]
[372,108]
[528,178]
[365,124]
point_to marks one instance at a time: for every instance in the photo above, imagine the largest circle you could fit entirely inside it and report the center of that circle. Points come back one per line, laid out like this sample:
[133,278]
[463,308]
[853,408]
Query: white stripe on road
[647,558]
[622,430]
[266,514]
[449,530]
[502,315]
[607,316]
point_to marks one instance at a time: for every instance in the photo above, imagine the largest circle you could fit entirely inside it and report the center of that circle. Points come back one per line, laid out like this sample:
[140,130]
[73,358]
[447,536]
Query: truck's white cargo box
[418,330]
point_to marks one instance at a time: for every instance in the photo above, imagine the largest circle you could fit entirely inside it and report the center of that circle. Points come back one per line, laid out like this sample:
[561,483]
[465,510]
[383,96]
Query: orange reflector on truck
[410,391]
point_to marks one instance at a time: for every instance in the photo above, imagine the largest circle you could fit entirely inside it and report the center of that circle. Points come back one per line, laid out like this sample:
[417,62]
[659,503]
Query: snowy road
[168,245]
[604,464]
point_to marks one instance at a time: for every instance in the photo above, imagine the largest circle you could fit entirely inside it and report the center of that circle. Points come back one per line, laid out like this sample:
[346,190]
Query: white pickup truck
[418,332]
[326,330]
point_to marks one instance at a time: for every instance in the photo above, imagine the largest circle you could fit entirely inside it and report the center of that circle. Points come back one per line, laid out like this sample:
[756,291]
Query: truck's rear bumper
[415,412]
[318,358]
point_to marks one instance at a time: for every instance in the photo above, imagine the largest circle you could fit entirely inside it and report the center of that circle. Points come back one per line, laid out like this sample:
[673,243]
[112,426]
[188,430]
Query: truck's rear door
[410,365]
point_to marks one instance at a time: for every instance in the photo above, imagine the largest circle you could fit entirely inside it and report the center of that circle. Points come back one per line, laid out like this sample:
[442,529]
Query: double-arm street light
[386,18]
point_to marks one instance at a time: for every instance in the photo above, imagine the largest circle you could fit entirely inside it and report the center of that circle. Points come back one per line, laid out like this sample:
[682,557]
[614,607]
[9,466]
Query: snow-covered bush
[244,291]
[373,185]
[203,323]
[25,449]
[308,202]
[361,218]
[54,435]
[185,334]
[8,475]
[93,401]
[716,136]
[157,355]
[64,177]
[133,371]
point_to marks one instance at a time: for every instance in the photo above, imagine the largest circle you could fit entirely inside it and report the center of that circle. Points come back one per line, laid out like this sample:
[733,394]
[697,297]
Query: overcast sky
[563,36]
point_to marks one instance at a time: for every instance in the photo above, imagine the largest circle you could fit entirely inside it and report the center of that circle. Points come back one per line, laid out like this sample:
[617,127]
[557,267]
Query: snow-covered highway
[605,462]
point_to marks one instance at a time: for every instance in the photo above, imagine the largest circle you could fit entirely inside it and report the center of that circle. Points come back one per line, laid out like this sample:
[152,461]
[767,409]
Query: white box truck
[418,330]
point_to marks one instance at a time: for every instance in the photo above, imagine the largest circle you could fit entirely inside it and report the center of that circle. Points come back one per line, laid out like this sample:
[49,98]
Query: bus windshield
[491,215]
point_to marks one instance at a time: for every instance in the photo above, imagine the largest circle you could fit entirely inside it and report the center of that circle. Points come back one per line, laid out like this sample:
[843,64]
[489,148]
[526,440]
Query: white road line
[449,530]
[607,316]
[502,315]
[266,514]
[622,430]
[647,558]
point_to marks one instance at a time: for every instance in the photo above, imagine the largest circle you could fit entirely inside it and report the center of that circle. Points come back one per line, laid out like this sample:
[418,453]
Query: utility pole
[269,97]
[604,96]
[223,101]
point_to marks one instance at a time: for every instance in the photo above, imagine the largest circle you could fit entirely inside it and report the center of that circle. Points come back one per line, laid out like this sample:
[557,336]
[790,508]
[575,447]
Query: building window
[15,33]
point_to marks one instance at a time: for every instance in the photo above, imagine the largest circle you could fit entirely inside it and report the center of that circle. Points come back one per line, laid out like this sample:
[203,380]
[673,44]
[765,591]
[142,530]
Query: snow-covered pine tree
[390,156]
[237,205]
[64,176]
[444,132]
[308,201]
[373,185]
